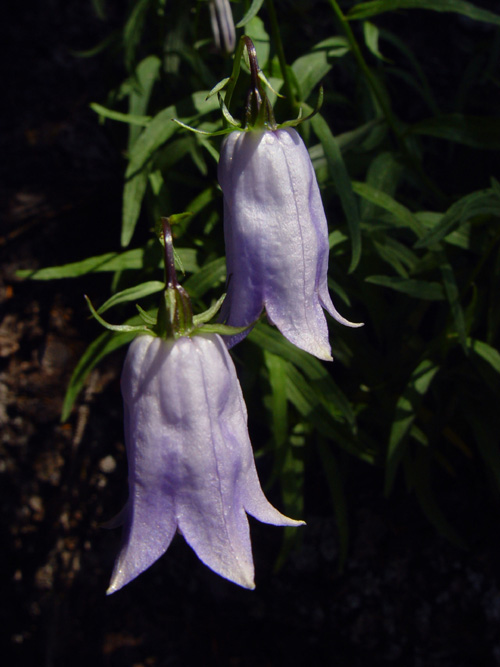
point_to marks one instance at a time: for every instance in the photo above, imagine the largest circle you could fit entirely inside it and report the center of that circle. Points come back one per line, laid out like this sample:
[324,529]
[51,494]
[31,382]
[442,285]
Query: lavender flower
[191,466]
[276,238]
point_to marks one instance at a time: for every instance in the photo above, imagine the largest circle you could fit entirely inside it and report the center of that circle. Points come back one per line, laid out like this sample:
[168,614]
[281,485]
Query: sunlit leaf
[132,294]
[138,258]
[158,132]
[106,343]
[342,184]
[371,35]
[210,275]
[479,203]
[474,131]
[122,117]
[364,10]
[253,10]
[419,289]
[311,68]
[407,408]
[402,215]
[321,381]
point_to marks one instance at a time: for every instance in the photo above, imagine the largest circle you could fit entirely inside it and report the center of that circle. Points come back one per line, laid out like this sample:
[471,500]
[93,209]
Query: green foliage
[415,243]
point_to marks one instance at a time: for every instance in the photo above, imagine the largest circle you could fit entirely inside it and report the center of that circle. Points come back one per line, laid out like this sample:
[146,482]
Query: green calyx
[174,318]
[258,110]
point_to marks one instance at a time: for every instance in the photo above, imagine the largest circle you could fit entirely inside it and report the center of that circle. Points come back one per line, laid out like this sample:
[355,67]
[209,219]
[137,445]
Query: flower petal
[276,237]
[191,463]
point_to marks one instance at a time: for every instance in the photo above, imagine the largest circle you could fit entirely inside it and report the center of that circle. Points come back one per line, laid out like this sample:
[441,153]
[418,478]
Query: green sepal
[293,123]
[221,329]
[145,317]
[218,87]
[203,132]
[175,316]
[122,328]
[227,116]
[207,315]
[299,119]
[267,83]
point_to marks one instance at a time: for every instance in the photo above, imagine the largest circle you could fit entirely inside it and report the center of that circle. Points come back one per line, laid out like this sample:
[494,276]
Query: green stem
[287,85]
[234,74]
[386,110]
[358,56]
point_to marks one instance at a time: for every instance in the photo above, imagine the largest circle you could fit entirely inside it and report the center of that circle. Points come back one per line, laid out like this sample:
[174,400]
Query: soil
[405,597]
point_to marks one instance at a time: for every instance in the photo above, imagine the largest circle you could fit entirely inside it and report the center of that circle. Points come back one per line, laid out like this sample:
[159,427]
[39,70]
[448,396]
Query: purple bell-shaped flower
[191,465]
[276,237]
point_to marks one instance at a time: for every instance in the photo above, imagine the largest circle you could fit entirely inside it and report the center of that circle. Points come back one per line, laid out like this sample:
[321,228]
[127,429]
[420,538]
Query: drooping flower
[191,465]
[276,237]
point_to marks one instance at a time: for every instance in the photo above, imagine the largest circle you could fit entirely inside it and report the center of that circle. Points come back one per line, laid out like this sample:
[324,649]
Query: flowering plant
[190,460]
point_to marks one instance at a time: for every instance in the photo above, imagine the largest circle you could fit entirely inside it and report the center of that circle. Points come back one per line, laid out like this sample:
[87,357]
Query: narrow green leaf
[157,133]
[311,68]
[132,294]
[210,275]
[407,408]
[421,84]
[353,138]
[111,261]
[453,295]
[276,367]
[210,313]
[106,343]
[133,194]
[419,289]
[146,73]
[486,352]
[402,215]
[133,29]
[461,237]
[478,203]
[301,394]
[334,479]
[399,256]
[383,174]
[138,258]
[292,490]
[161,128]
[118,328]
[253,10]
[219,86]
[122,117]
[342,184]
[321,382]
[107,43]
[364,10]
[474,131]
[371,35]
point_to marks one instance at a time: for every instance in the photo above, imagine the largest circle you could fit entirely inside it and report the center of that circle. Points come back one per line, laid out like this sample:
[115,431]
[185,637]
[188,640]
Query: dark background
[406,596]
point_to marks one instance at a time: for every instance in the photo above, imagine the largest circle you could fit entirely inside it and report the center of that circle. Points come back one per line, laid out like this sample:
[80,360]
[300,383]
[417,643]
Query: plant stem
[287,86]
[386,110]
